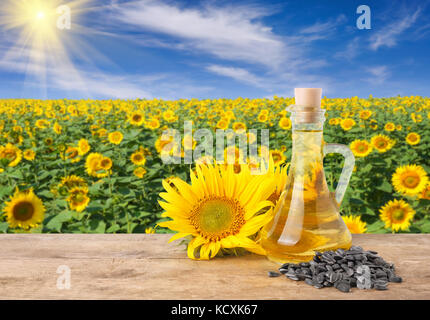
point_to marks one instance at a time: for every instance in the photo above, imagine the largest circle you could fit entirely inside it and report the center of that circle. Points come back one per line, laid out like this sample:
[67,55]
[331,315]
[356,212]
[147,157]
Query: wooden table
[146,267]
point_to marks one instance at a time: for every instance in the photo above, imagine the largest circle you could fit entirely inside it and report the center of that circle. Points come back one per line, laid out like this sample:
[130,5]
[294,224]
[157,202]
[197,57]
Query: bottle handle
[347,169]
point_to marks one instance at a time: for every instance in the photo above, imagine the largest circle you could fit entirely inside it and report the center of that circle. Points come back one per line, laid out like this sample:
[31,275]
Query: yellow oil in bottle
[306,216]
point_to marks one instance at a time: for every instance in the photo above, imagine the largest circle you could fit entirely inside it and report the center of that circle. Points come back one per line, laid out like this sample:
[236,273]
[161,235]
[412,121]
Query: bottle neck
[307,147]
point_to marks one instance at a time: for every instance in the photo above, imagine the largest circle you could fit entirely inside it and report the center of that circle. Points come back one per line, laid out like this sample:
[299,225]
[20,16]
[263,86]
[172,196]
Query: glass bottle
[306,217]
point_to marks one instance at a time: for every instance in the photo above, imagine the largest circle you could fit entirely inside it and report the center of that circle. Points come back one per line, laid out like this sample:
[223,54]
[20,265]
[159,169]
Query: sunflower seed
[380,274]
[343,286]
[343,269]
[309,281]
[396,279]
[293,277]
[380,287]
[283,271]
[320,277]
[304,264]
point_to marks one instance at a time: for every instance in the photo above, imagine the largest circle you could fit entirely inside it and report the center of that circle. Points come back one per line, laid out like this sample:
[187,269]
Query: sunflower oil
[306,216]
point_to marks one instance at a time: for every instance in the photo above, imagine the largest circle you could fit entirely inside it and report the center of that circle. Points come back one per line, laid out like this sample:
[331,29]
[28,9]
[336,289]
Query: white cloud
[322,30]
[239,74]
[378,74]
[229,32]
[351,50]
[388,35]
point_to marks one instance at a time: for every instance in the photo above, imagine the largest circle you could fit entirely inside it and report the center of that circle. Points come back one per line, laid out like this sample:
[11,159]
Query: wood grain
[146,267]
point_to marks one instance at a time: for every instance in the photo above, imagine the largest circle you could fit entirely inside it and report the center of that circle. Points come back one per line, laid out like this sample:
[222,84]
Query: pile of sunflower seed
[342,269]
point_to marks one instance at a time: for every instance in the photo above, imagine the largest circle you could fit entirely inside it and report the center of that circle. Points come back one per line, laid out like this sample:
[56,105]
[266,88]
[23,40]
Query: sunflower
[354,224]
[49,141]
[72,181]
[425,194]
[153,124]
[347,124]
[239,126]
[219,210]
[413,138]
[389,126]
[285,123]
[278,156]
[72,154]
[222,124]
[416,117]
[57,128]
[397,215]
[106,163]
[78,199]
[188,142]
[102,133]
[11,153]
[83,147]
[410,179]
[29,155]
[166,144]
[314,182]
[42,124]
[136,119]
[168,115]
[280,174]
[93,165]
[24,210]
[115,137]
[233,155]
[262,117]
[365,114]
[150,230]
[360,148]
[252,138]
[138,158]
[333,122]
[139,172]
[381,143]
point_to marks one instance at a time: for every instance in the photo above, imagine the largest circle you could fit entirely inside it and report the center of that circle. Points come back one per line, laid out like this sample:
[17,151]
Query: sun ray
[38,47]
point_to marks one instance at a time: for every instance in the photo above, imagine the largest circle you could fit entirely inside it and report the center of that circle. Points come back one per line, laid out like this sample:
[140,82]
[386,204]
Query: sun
[35,38]
[33,18]
[40,15]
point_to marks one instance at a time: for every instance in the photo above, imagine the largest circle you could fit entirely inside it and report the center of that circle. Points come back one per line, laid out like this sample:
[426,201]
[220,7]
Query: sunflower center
[361,148]
[411,181]
[10,154]
[79,198]
[23,211]
[398,214]
[217,218]
[381,144]
[216,215]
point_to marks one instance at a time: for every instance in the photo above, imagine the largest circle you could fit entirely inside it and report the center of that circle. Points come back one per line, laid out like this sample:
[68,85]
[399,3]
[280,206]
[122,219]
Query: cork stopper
[308,104]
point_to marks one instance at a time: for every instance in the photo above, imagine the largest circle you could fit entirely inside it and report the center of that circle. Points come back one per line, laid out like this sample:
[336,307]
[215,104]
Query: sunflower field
[87,166]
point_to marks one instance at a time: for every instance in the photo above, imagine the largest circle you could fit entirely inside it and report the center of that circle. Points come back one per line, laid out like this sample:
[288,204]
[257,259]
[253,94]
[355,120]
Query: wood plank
[146,267]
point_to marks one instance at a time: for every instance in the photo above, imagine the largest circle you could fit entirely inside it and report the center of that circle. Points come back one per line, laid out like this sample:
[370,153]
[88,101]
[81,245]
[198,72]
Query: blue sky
[225,49]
